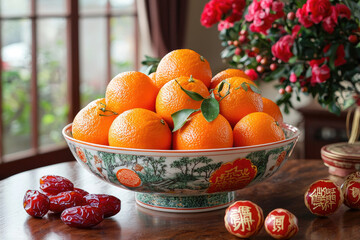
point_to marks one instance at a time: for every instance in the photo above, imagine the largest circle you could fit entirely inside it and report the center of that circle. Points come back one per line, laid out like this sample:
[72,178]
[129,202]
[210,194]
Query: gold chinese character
[278,223]
[355,193]
[242,218]
[323,197]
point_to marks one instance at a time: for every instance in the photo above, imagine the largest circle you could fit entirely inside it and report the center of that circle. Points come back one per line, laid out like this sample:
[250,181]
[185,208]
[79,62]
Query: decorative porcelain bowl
[183,180]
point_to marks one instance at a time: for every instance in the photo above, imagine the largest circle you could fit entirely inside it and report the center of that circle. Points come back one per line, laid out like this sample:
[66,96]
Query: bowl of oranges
[181,139]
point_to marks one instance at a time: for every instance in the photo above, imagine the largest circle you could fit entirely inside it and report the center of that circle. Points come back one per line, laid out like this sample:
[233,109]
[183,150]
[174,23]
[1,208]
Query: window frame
[39,156]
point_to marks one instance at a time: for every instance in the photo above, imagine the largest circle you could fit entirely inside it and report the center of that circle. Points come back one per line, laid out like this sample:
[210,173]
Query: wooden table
[284,190]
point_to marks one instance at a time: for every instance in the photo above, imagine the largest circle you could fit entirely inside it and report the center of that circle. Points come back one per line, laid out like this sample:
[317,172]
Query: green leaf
[194,95]
[292,60]
[358,45]
[348,103]
[228,52]
[181,117]
[298,69]
[255,89]
[210,109]
[244,86]
[308,72]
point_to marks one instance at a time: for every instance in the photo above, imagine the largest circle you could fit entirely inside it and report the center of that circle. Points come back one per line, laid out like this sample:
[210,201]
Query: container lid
[342,150]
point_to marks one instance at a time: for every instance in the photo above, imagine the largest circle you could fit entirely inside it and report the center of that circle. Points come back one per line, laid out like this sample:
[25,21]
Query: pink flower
[224,25]
[303,16]
[293,77]
[282,48]
[343,11]
[320,74]
[340,56]
[252,74]
[263,13]
[319,9]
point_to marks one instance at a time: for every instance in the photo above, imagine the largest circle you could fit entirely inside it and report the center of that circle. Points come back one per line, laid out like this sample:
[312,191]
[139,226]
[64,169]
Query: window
[56,56]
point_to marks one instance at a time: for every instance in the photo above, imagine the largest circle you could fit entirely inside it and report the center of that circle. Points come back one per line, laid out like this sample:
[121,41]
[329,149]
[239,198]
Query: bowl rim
[295,130]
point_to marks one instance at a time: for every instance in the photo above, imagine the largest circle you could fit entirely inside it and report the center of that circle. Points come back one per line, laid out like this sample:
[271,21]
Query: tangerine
[257,128]
[92,123]
[140,128]
[130,90]
[240,101]
[198,133]
[171,98]
[272,109]
[183,62]
[227,73]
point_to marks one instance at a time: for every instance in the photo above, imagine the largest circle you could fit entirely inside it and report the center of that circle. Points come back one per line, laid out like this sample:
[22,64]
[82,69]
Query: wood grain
[284,190]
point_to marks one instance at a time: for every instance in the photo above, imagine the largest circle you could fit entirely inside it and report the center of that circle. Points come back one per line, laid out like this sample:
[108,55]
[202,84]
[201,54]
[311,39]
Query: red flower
[320,74]
[319,9]
[295,30]
[282,48]
[340,56]
[211,14]
[330,22]
[317,62]
[303,16]
[343,11]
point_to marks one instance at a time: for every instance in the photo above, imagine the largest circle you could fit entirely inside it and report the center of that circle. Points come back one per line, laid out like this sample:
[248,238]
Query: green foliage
[150,65]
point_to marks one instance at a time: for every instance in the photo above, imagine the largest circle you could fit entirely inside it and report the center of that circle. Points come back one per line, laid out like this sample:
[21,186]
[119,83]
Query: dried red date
[110,205]
[53,184]
[81,191]
[82,216]
[36,204]
[64,200]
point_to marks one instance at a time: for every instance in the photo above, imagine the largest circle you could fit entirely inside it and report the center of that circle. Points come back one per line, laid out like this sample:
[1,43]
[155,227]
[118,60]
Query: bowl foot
[184,204]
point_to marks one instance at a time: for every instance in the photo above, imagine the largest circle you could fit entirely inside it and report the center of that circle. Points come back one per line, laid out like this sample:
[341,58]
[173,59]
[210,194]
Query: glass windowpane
[52,80]
[51,7]
[92,59]
[16,75]
[122,45]
[122,5]
[14,7]
[92,6]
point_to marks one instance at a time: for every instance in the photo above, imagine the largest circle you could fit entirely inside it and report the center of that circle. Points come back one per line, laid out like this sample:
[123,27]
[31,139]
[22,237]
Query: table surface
[283,190]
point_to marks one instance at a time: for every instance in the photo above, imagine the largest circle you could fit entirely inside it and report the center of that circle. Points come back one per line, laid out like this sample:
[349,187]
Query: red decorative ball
[243,219]
[323,197]
[281,224]
[351,191]
[353,39]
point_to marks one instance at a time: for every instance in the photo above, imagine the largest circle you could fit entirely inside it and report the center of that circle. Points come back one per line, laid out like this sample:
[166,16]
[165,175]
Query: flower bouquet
[309,47]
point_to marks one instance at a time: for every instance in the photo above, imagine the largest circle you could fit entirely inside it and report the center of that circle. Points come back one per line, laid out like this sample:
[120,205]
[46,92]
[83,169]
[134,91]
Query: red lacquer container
[323,197]
[342,158]
[281,224]
[351,190]
[244,219]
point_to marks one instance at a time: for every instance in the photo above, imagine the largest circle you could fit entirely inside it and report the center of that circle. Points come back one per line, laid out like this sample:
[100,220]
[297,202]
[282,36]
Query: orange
[183,62]
[257,128]
[198,133]
[239,102]
[228,73]
[128,177]
[272,109]
[171,98]
[152,76]
[92,123]
[140,128]
[130,90]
